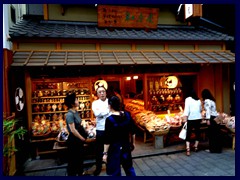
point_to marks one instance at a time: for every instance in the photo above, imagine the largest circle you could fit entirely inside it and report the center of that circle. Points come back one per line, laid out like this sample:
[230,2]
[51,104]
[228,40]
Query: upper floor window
[13,14]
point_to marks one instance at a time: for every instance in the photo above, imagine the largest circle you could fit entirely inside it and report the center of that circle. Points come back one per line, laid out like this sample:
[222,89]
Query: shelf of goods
[49,111]
[164,95]
[149,121]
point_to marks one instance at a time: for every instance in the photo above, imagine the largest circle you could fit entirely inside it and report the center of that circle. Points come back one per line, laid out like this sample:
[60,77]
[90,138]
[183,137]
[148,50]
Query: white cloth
[210,108]
[101,112]
[192,109]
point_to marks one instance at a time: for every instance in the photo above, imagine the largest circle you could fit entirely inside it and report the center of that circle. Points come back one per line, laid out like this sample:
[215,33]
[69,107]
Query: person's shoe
[195,149]
[207,150]
[97,172]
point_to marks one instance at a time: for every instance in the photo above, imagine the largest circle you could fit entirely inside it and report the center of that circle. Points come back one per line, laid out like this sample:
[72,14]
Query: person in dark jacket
[119,140]
[214,132]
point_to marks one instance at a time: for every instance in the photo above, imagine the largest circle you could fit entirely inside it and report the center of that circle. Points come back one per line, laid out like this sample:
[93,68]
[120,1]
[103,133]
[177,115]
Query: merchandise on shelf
[48,104]
[227,120]
[164,93]
[41,128]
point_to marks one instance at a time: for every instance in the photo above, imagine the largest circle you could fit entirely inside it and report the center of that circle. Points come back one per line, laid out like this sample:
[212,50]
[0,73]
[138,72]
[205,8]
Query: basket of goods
[161,130]
[62,136]
[222,118]
[90,128]
[175,122]
[41,129]
[157,126]
[144,117]
[231,123]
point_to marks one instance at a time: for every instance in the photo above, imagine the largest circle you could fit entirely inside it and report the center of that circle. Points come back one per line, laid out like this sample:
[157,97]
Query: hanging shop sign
[19,99]
[193,10]
[188,10]
[127,17]
[169,82]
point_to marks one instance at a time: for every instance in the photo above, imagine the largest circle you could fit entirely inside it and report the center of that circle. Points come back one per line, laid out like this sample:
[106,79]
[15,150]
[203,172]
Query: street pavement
[199,163]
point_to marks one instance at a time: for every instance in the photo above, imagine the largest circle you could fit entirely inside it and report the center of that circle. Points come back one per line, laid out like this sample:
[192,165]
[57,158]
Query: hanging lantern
[171,82]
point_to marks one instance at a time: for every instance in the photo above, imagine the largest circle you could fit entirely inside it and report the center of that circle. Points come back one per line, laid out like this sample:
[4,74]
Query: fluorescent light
[128,78]
[135,77]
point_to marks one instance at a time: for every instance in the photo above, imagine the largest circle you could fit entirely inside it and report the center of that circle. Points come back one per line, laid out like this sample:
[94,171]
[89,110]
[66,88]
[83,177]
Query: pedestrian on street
[77,137]
[101,112]
[192,112]
[119,140]
[214,132]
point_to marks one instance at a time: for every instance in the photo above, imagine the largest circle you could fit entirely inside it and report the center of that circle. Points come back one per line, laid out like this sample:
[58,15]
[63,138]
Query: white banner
[188,10]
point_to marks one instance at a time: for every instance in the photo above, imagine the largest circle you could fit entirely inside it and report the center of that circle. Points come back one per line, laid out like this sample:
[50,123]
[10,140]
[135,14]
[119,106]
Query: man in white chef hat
[101,111]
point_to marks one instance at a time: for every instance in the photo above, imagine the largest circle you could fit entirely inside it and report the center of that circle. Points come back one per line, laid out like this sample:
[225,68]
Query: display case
[48,100]
[48,111]
[164,94]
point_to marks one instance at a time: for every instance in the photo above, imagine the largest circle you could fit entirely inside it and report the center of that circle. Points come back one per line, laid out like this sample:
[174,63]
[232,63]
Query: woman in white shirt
[192,112]
[214,133]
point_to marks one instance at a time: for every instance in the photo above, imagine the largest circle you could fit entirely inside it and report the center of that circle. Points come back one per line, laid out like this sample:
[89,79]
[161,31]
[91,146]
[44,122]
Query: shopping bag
[183,132]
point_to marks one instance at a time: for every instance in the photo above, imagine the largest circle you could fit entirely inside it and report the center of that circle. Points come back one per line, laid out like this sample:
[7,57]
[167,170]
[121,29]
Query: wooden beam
[160,57]
[46,61]
[83,58]
[187,57]
[116,58]
[66,58]
[100,58]
[25,63]
[146,57]
[45,12]
[217,52]
[173,56]
[212,56]
[7,59]
[199,57]
[131,57]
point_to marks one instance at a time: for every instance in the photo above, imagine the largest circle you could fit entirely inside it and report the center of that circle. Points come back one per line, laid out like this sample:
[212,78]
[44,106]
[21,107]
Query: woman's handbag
[183,132]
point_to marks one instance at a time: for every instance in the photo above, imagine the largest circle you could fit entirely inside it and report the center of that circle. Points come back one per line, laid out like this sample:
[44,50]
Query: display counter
[158,125]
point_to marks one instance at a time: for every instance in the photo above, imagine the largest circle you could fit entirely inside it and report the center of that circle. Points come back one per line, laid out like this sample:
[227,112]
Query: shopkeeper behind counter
[101,111]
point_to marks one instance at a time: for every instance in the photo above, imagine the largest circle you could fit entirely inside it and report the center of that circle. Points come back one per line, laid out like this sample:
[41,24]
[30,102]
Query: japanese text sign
[127,17]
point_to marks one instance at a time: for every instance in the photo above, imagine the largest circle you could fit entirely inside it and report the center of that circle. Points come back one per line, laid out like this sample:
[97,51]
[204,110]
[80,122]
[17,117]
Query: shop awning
[80,58]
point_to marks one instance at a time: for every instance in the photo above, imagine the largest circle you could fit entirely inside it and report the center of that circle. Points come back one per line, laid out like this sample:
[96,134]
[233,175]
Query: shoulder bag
[183,132]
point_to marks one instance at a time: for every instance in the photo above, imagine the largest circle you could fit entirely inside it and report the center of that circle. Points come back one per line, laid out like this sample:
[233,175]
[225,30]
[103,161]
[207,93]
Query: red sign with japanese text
[127,17]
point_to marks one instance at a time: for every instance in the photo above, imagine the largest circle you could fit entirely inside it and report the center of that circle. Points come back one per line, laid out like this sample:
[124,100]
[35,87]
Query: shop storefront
[154,68]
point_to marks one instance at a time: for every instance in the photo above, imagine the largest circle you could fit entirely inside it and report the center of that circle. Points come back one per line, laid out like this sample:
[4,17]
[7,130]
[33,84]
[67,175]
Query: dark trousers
[214,136]
[99,148]
[196,125]
[75,156]
[118,156]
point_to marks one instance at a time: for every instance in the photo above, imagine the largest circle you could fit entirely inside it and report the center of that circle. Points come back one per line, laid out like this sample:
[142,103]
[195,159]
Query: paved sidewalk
[198,164]
[178,164]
